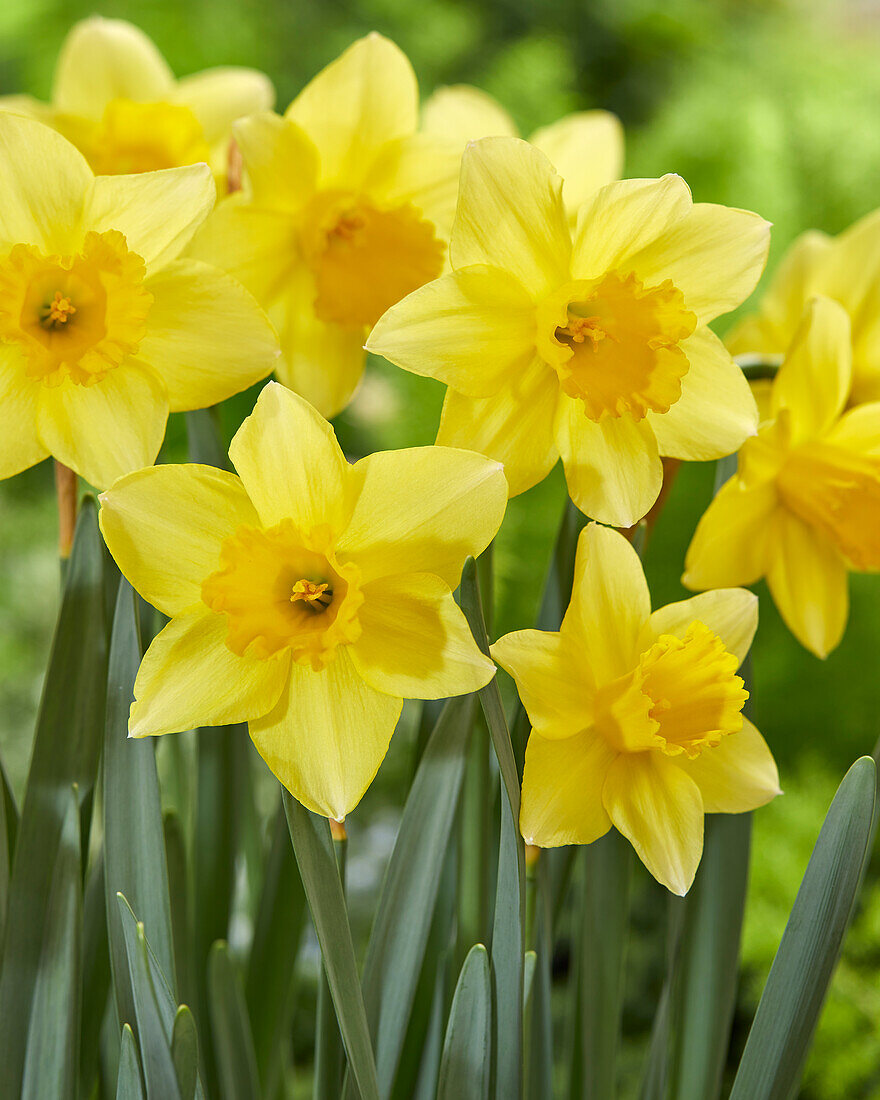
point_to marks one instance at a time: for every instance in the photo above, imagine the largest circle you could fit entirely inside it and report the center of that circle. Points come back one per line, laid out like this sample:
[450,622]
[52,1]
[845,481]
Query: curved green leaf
[231,1028]
[185,1052]
[466,1064]
[129,1085]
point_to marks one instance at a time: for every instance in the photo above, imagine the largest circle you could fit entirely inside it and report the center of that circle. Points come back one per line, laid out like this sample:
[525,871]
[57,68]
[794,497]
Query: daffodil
[593,345]
[586,147]
[804,506]
[845,268]
[307,597]
[102,329]
[345,211]
[116,99]
[637,717]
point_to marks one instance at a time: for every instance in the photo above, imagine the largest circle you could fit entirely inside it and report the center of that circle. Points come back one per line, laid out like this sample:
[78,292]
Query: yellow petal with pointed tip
[731,545]
[280,159]
[731,613]
[737,775]
[587,151]
[217,97]
[460,113]
[19,397]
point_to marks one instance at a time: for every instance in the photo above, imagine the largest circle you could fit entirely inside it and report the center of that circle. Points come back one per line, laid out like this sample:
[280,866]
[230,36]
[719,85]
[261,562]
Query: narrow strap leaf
[185,1052]
[95,975]
[129,1085]
[233,1043]
[466,1065]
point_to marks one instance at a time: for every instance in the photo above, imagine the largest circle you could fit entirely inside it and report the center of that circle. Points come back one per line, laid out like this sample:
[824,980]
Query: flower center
[682,697]
[837,491]
[615,344]
[142,137]
[74,317]
[281,588]
[364,259]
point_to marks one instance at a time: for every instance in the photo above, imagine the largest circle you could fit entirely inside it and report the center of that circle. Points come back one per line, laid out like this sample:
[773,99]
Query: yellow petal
[290,463]
[731,613]
[737,775]
[659,809]
[609,603]
[620,219]
[366,97]
[422,510]
[562,790]
[189,677]
[587,151]
[814,380]
[859,429]
[164,526]
[732,540]
[416,643]
[19,395]
[327,736]
[514,426]
[217,97]
[43,180]
[104,59]
[612,467]
[716,412]
[206,336]
[714,256]
[280,159]
[107,429]
[472,329]
[808,581]
[552,680]
[157,211]
[420,170]
[460,113]
[510,214]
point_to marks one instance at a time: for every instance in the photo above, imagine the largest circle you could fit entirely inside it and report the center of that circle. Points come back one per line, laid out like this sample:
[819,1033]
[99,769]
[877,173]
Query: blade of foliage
[656,1071]
[134,839]
[205,438]
[476,842]
[129,1085]
[789,1008]
[538,1069]
[465,1068]
[329,1052]
[430,1050]
[236,1062]
[310,836]
[65,753]
[185,1052]
[95,974]
[50,1066]
[6,850]
[178,895]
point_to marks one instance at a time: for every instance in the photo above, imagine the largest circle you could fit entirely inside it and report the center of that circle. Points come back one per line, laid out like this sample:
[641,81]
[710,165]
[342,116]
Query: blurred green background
[768,106]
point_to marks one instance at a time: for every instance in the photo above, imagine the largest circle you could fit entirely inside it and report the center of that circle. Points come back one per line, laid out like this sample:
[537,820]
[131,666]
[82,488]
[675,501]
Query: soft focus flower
[804,506]
[592,346]
[845,268]
[307,597]
[345,210]
[116,99]
[586,148]
[637,717]
[102,329]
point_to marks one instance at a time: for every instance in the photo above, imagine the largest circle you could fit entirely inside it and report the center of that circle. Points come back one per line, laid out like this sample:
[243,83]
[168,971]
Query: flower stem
[65,487]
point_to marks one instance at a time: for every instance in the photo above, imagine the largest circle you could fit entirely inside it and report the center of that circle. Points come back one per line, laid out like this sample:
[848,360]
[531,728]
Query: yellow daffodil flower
[102,329]
[345,210]
[307,597]
[593,345]
[845,268]
[804,506]
[586,147]
[116,99]
[637,717]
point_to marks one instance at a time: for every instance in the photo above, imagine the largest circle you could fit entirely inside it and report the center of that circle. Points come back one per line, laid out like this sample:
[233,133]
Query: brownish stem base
[65,488]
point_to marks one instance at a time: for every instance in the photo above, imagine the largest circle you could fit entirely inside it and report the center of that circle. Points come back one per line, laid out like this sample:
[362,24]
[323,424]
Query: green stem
[329,1052]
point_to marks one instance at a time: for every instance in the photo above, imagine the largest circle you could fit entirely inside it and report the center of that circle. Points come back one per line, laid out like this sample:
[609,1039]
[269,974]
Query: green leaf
[8,825]
[231,1028]
[50,1066]
[789,1009]
[129,1085]
[205,438]
[185,1052]
[310,836]
[466,1064]
[134,838]
[95,975]
[538,1028]
[329,1052]
[65,753]
[178,893]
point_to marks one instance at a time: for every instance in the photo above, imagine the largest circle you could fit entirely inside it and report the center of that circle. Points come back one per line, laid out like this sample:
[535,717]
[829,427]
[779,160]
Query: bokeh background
[772,106]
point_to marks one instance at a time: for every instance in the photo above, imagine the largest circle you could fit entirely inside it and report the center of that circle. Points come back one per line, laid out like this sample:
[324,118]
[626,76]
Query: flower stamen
[57,312]
[318,597]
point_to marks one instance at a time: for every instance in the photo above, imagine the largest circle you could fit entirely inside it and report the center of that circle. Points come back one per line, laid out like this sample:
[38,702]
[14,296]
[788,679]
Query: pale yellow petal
[107,429]
[422,510]
[514,426]
[853,267]
[280,159]
[416,642]
[366,97]
[19,395]
[731,613]
[562,790]
[164,526]
[104,59]
[327,736]
[189,677]
[659,809]
[473,329]
[716,412]
[808,581]
[217,97]
[552,680]
[420,170]
[859,429]
[587,151]
[460,113]
[610,603]
[731,545]
[738,775]
[206,336]
[510,214]
[613,468]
